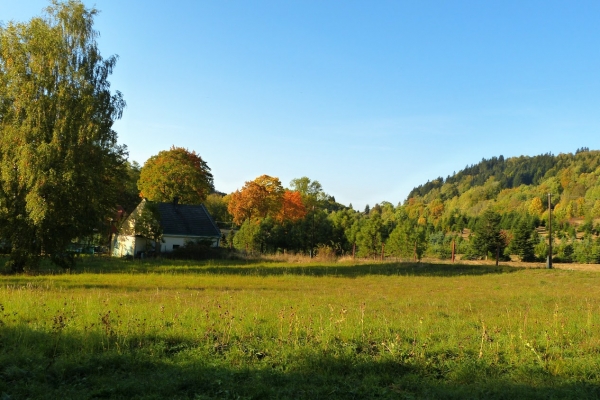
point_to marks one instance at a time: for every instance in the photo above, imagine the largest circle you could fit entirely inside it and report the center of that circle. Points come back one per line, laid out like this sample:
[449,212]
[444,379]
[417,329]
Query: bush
[201,250]
[325,252]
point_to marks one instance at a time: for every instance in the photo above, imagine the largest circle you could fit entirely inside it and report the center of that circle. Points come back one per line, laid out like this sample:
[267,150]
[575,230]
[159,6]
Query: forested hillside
[512,172]
[496,208]
[516,185]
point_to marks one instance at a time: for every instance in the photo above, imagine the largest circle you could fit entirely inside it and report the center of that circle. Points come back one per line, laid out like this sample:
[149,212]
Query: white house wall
[124,246]
[169,241]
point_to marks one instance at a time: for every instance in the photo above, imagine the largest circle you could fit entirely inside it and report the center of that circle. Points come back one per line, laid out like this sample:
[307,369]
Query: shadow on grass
[105,265]
[52,365]
[355,271]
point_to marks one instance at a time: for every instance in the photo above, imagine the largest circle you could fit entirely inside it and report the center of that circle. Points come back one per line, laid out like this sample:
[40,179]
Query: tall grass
[272,330]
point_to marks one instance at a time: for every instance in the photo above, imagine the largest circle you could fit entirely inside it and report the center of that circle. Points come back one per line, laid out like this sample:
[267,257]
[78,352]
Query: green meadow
[262,330]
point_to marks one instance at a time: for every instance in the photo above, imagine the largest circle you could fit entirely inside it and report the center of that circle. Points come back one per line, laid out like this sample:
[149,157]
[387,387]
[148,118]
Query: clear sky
[370,98]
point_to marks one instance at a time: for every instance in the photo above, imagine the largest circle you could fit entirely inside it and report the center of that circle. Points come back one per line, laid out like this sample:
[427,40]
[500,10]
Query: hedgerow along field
[250,330]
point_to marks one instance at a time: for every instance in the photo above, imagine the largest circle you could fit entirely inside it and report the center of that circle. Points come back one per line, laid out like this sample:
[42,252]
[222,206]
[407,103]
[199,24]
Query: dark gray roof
[186,220]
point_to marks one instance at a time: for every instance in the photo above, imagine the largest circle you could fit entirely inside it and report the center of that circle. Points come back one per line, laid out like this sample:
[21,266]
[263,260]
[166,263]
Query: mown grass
[239,329]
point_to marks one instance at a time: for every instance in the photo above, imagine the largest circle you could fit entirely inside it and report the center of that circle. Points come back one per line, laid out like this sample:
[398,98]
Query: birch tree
[59,158]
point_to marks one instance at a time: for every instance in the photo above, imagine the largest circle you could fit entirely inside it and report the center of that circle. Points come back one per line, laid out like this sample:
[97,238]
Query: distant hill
[516,184]
[511,172]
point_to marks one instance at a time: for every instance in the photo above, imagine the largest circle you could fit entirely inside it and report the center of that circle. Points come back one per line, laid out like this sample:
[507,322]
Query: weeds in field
[263,331]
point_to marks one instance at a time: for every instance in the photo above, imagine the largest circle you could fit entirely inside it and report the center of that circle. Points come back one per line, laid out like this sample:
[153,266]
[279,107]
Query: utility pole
[312,238]
[549,261]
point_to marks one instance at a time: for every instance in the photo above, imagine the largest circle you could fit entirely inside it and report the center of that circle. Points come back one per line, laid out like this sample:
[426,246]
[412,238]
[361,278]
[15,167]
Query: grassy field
[250,330]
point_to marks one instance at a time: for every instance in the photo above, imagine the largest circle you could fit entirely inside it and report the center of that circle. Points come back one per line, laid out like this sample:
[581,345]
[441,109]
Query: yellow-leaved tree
[176,173]
[536,207]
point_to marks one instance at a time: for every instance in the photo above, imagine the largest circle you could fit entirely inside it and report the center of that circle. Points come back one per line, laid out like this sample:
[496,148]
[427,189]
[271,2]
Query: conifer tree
[523,243]
[488,237]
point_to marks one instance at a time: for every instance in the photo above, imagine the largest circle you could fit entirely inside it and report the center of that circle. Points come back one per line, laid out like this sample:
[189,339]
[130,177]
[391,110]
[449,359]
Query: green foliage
[487,236]
[60,165]
[129,195]
[586,250]
[147,222]
[216,205]
[564,252]
[368,237]
[510,173]
[541,249]
[514,187]
[176,173]
[407,240]
[523,242]
[248,236]
[311,191]
[342,234]
[440,245]
[429,220]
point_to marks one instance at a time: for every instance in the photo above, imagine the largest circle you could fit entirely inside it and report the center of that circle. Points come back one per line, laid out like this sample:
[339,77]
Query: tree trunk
[497,255]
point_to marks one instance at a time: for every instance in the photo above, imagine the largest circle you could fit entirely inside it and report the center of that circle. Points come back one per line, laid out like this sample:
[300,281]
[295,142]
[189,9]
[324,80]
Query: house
[180,224]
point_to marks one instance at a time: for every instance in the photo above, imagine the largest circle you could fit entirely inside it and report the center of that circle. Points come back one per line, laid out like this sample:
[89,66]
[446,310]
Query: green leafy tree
[248,236]
[144,221]
[440,245]
[341,223]
[312,191]
[368,238]
[129,195]
[176,172]
[407,240]
[541,247]
[59,158]
[216,204]
[585,250]
[147,224]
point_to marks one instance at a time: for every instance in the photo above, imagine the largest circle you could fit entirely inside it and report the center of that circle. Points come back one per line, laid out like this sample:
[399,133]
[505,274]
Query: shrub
[200,250]
[325,252]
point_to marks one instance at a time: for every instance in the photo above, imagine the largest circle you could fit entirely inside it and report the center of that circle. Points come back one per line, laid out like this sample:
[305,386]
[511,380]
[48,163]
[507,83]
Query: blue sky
[370,98]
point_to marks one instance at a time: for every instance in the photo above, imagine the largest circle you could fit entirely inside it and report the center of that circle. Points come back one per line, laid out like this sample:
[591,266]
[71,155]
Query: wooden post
[353,250]
[382,250]
[497,255]
[453,249]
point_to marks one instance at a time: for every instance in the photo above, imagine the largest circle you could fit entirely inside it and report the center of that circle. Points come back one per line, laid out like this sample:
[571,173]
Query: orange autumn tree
[265,196]
[257,199]
[292,207]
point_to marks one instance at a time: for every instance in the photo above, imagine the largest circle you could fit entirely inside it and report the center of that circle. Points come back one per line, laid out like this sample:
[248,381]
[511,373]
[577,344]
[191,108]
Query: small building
[180,224]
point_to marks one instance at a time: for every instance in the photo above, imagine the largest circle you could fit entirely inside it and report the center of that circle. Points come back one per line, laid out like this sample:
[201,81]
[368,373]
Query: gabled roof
[187,220]
[176,219]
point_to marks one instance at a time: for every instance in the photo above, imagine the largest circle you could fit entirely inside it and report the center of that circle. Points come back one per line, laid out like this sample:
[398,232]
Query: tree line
[63,176]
